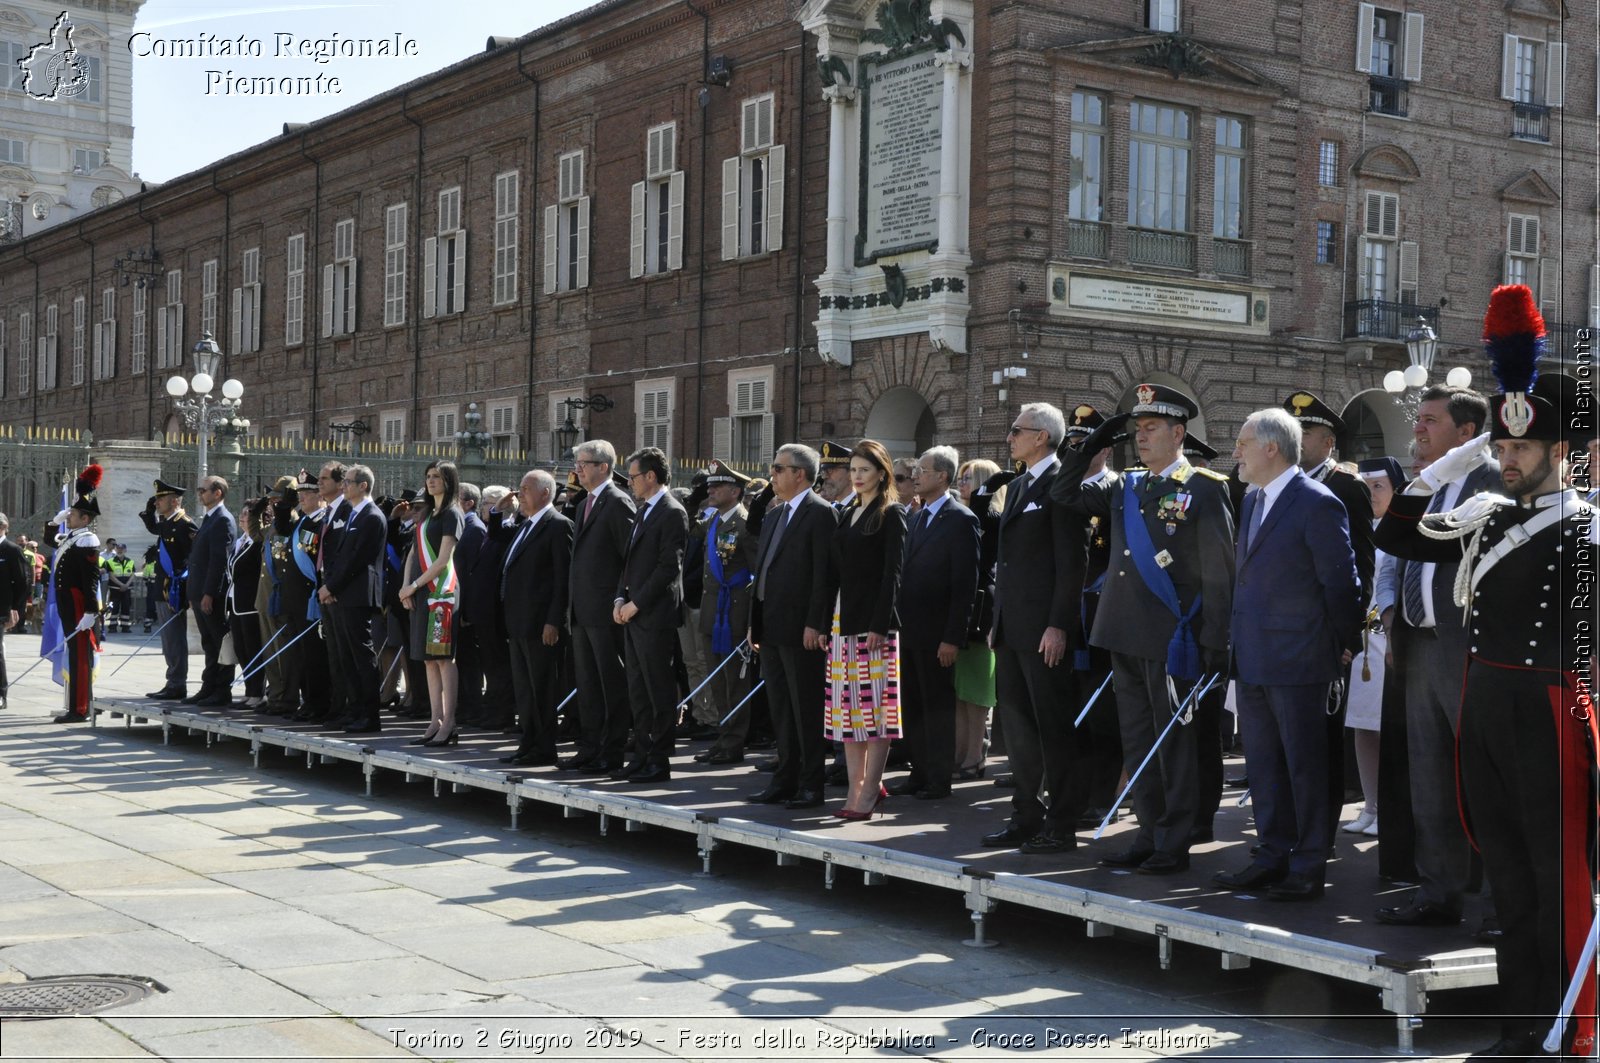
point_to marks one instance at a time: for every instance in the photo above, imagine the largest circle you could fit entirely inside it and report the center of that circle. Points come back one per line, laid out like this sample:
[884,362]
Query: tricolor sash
[441,597]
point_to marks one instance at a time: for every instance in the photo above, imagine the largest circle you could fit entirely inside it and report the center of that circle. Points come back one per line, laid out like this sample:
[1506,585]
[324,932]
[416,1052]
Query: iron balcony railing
[1530,121]
[1388,96]
[1156,247]
[1378,319]
[1088,239]
[1231,257]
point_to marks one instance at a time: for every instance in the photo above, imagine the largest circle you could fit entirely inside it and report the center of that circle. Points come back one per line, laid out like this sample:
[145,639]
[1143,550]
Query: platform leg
[605,824]
[255,753]
[705,861]
[514,802]
[166,732]
[1163,947]
[368,771]
[436,786]
[311,760]
[1405,1027]
[979,903]
[827,874]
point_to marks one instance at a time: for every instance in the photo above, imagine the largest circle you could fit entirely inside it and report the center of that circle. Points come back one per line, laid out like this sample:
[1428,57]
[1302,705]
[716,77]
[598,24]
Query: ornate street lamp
[1421,345]
[566,436]
[203,413]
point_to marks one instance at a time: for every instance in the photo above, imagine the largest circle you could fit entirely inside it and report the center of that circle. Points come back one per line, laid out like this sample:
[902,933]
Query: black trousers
[794,677]
[469,669]
[536,676]
[1099,736]
[305,663]
[652,690]
[603,713]
[928,714]
[246,645]
[356,674]
[217,678]
[1167,792]
[1036,703]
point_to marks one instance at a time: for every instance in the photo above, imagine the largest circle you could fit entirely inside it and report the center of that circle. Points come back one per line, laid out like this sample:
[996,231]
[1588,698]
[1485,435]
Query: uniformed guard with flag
[76,577]
[1527,733]
[163,517]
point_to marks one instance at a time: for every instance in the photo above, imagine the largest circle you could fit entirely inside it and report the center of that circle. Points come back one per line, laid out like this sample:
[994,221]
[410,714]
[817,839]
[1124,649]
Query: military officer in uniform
[164,518]
[1164,611]
[1527,725]
[728,550]
[834,483]
[76,576]
[305,670]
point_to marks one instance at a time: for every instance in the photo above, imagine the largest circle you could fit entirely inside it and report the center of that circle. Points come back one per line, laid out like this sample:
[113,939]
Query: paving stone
[147,953]
[309,1038]
[504,952]
[286,937]
[207,1000]
[383,909]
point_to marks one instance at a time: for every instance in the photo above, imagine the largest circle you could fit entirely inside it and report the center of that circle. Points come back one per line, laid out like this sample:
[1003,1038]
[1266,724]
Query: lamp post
[203,413]
[1421,346]
[566,436]
[471,442]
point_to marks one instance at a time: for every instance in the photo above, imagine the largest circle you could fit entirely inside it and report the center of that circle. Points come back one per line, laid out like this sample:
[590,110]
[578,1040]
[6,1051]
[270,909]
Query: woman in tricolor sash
[432,593]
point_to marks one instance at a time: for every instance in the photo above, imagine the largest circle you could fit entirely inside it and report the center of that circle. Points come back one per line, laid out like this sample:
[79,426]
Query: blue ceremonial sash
[308,569]
[174,579]
[1183,652]
[275,599]
[727,583]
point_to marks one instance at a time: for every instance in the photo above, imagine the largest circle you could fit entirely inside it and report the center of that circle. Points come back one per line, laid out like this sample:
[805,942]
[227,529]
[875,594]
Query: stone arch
[1387,162]
[1376,424]
[902,420]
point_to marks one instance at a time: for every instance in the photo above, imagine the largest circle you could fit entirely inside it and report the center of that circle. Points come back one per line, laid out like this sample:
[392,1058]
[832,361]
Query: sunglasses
[1017,429]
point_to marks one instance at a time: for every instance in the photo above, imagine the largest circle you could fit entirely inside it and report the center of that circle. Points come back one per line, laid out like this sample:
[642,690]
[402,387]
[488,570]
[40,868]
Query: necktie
[516,544]
[924,519]
[1258,515]
[588,507]
[1022,483]
[638,524]
[1411,583]
[772,550]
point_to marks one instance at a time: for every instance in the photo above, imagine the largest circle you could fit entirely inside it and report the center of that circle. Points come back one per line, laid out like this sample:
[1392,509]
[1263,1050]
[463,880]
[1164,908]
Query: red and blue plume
[89,479]
[1513,337]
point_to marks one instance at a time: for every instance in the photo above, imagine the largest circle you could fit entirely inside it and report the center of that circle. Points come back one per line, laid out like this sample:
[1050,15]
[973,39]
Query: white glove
[1456,463]
[85,623]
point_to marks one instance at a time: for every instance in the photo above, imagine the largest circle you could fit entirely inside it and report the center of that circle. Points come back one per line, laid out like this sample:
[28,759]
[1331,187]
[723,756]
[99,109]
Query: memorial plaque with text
[901,101]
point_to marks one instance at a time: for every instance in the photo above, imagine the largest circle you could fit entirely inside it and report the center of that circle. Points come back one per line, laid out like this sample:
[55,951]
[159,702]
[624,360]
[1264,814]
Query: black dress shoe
[772,795]
[514,758]
[804,799]
[1296,887]
[932,793]
[905,787]
[703,756]
[1005,780]
[626,771]
[1419,913]
[363,727]
[1007,837]
[725,756]
[576,762]
[1489,932]
[167,694]
[70,717]
[1050,840]
[1159,863]
[1239,782]
[1249,878]
[215,701]
[768,765]
[1131,857]
[651,773]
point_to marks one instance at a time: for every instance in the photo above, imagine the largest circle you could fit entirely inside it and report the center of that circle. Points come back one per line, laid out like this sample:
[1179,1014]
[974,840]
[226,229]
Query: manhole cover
[78,994]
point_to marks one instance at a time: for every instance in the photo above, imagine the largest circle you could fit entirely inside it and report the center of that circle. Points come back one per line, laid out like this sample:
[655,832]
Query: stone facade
[704,342]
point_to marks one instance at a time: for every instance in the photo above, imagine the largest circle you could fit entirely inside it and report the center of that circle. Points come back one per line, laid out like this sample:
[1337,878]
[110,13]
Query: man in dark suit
[600,541]
[938,580]
[649,607]
[477,597]
[532,588]
[164,518]
[352,592]
[725,546]
[1164,611]
[790,620]
[1038,590]
[1430,642]
[16,590]
[208,572]
[1296,607]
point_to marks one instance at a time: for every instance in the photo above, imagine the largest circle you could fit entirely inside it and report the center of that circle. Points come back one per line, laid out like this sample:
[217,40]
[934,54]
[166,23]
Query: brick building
[746,221]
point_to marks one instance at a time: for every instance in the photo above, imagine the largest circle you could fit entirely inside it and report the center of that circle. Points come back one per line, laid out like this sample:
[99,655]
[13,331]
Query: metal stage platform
[930,842]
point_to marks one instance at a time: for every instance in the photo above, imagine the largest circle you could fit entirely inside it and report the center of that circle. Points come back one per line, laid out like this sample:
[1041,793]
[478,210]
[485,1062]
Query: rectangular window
[566,229]
[444,260]
[91,68]
[1385,42]
[293,433]
[1227,217]
[339,282]
[244,326]
[47,349]
[1085,187]
[1158,167]
[746,434]
[1533,72]
[85,160]
[1328,163]
[654,412]
[1327,243]
[506,194]
[501,420]
[443,419]
[1522,249]
[1161,15]
[136,345]
[393,427]
[294,286]
[656,245]
[752,185]
[12,53]
[169,324]
[80,336]
[208,297]
[13,151]
[394,265]
[24,352]
[105,337]
[1386,266]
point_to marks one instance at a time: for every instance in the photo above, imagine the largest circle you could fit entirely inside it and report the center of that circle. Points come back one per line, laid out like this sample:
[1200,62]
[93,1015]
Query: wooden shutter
[775,174]
[1549,293]
[583,241]
[1412,43]
[1555,75]
[675,220]
[430,276]
[98,369]
[327,300]
[1409,274]
[1365,13]
[458,294]
[235,322]
[636,228]
[730,208]
[351,288]
[1508,67]
[722,438]
[1361,267]
[550,245]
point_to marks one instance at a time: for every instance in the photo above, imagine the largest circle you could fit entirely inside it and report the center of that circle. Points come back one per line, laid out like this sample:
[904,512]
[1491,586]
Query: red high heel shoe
[852,816]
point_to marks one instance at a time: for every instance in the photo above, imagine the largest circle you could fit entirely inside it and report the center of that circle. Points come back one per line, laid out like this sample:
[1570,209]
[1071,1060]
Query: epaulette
[88,539]
[1211,473]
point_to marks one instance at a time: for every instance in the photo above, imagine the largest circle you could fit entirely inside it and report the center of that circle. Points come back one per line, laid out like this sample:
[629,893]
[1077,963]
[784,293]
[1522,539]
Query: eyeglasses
[779,468]
[584,461]
[1018,429]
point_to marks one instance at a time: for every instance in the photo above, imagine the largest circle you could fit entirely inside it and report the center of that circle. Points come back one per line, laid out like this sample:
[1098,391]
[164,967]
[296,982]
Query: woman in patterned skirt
[863,681]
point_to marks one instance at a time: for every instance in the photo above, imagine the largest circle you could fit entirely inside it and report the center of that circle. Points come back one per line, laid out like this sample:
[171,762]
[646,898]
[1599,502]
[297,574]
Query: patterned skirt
[863,691]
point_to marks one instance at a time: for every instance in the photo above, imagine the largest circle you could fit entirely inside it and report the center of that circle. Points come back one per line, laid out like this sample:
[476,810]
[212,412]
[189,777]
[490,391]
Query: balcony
[1376,319]
[1530,121]
[1158,247]
[1088,239]
[1231,257]
[1388,96]
[1560,338]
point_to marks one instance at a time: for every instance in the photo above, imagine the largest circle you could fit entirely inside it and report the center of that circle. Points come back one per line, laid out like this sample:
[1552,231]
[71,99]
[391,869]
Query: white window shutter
[253,318]
[1365,13]
[161,339]
[1508,67]
[1409,275]
[458,298]
[327,300]
[675,220]
[235,322]
[730,208]
[1530,235]
[350,300]
[550,224]
[1514,233]
[178,349]
[1549,293]
[1594,296]
[1505,269]
[722,438]
[99,364]
[110,328]
[1412,71]
[430,276]
[775,172]
[583,241]
[769,430]
[1555,75]
[1361,267]
[636,227]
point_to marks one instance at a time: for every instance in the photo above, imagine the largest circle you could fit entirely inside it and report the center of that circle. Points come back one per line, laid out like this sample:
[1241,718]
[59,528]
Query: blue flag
[52,640]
